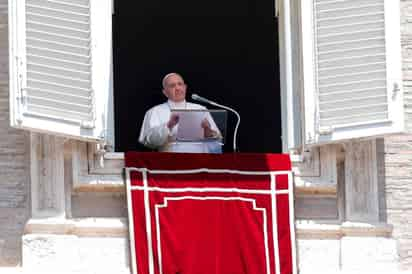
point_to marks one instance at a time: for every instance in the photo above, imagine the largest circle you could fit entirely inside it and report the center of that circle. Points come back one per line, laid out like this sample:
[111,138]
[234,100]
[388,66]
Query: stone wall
[398,157]
[398,186]
[14,164]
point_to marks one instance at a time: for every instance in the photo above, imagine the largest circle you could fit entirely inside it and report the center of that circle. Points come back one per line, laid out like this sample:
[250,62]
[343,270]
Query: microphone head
[201,99]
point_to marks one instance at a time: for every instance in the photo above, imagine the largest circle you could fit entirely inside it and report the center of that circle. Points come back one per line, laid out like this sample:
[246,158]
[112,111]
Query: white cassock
[155,133]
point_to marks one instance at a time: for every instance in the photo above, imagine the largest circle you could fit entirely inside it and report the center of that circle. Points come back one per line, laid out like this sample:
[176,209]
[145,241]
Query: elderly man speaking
[159,128]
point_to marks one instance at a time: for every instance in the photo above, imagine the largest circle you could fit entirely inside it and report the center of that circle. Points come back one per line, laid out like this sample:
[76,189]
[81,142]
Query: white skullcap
[167,76]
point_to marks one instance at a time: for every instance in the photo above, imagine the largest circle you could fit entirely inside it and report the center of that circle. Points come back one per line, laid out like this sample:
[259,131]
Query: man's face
[175,88]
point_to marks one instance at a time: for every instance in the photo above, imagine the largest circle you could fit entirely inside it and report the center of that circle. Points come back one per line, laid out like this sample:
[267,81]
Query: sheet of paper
[189,127]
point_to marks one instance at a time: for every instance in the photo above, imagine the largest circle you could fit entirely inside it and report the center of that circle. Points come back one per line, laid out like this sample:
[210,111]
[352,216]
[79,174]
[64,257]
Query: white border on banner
[131,223]
[209,189]
[274,224]
[205,170]
[253,201]
[292,221]
[148,223]
[146,189]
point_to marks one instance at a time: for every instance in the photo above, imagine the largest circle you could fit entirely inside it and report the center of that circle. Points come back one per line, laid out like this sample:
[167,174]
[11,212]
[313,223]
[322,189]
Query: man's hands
[173,120]
[207,131]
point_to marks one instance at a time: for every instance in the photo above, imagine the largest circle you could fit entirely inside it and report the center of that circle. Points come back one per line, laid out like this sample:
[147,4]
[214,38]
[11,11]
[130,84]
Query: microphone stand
[201,99]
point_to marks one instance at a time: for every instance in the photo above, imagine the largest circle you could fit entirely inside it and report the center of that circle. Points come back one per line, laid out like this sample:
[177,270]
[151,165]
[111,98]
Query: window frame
[101,128]
[96,169]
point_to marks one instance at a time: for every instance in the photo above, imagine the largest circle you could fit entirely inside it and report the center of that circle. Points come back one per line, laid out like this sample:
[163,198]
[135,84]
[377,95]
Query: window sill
[316,173]
[118,227]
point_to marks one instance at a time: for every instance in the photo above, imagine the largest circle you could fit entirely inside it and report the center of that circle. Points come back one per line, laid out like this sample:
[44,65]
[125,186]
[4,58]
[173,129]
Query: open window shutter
[60,57]
[352,69]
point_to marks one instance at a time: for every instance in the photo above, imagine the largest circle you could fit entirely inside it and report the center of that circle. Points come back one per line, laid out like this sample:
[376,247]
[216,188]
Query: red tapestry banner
[210,213]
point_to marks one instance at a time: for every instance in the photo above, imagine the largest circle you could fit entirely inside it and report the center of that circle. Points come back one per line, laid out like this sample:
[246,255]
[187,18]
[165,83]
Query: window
[227,54]
[340,69]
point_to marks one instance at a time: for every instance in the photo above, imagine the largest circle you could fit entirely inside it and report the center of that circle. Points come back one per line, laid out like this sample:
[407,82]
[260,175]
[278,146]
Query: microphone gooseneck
[207,101]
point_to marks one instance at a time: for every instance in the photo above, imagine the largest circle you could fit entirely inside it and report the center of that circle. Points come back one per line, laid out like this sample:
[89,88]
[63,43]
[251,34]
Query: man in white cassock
[160,125]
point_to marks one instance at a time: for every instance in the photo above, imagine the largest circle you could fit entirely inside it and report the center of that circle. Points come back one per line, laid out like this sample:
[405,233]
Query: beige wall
[398,158]
[398,186]
[14,164]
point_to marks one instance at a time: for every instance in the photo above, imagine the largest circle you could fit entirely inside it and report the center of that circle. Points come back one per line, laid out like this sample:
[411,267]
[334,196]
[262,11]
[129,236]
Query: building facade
[62,202]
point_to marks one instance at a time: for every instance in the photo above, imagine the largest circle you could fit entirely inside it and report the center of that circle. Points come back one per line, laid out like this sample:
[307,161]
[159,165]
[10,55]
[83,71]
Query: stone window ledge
[316,173]
[118,227]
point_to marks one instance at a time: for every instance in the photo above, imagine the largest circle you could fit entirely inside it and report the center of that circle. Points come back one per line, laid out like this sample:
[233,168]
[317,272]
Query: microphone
[202,99]
[207,101]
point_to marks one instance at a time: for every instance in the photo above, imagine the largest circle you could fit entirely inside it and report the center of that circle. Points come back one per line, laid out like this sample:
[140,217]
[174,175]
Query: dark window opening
[226,51]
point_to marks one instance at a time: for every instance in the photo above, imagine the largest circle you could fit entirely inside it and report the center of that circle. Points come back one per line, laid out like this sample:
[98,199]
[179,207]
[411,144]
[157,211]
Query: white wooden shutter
[352,69]
[60,57]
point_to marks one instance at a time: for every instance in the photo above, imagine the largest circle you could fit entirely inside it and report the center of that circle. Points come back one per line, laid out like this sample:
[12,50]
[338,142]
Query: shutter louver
[351,64]
[352,69]
[61,66]
[58,59]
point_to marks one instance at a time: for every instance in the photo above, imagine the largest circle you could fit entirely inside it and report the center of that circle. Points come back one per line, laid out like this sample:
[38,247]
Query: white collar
[177,105]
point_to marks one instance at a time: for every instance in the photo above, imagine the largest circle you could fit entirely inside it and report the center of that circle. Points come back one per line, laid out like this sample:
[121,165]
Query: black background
[226,51]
